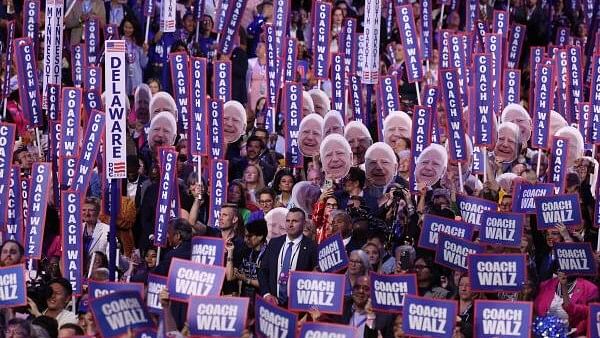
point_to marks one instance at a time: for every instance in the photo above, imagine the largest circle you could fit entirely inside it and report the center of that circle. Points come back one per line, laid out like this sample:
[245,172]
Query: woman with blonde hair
[254,181]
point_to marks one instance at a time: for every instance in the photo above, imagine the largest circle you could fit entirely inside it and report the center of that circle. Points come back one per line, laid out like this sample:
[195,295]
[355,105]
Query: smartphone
[328,184]
[405,260]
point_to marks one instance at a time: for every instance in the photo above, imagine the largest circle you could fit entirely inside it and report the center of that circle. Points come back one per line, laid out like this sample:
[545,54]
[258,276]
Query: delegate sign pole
[115,127]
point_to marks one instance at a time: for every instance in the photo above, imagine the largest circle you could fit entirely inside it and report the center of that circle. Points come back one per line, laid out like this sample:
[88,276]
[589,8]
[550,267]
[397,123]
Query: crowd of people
[354,181]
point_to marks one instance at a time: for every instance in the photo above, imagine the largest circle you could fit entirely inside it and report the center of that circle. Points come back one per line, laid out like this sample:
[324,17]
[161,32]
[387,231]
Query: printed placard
[100,289]
[472,208]
[218,189]
[72,245]
[281,16]
[291,48]
[454,252]
[542,99]
[222,81]
[497,272]
[434,225]
[10,36]
[512,86]
[525,194]
[501,319]
[77,63]
[332,254]
[356,99]
[38,203]
[515,45]
[388,291]
[53,48]
[458,60]
[595,100]
[421,138]
[92,140]
[179,64]
[216,139]
[484,103]
[575,82]
[217,316]
[31,22]
[12,286]
[556,209]
[408,34]
[317,329]
[338,82]
[494,46]
[14,219]
[576,258]
[502,228]
[197,145]
[168,16]
[293,116]
[426,29]
[166,192]
[115,108]
[274,321]
[454,107]
[424,317]
[155,285]
[91,36]
[558,163]
[233,18]
[594,320]
[323,290]
[272,76]
[322,30]
[369,52]
[27,75]
[7,144]
[208,250]
[187,279]
[119,312]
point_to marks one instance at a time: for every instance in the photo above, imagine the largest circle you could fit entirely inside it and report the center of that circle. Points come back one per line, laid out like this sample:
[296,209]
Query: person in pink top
[257,76]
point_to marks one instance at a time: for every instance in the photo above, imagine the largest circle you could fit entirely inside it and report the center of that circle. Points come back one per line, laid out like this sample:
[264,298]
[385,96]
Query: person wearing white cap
[321,102]
[234,121]
[359,138]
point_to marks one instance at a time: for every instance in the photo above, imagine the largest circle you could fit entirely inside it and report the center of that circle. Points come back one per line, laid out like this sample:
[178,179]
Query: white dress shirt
[293,261]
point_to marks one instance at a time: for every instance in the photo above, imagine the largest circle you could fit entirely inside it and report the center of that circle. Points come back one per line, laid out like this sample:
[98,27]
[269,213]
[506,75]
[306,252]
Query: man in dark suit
[283,254]
[353,187]
[536,19]
[341,223]
[359,313]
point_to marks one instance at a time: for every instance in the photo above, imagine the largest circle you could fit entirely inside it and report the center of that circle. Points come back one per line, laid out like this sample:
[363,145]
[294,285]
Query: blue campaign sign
[12,286]
[98,289]
[501,318]
[387,291]
[594,320]
[524,195]
[217,316]
[453,252]
[317,329]
[332,254]
[497,272]
[472,208]
[274,321]
[576,258]
[118,312]
[502,228]
[187,278]
[424,317]
[556,209]
[155,285]
[208,250]
[323,290]
[434,225]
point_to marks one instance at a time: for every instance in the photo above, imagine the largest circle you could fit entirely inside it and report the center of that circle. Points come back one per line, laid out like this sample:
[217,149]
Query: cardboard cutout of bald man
[397,125]
[575,147]
[321,102]
[381,164]
[163,130]
[431,164]
[310,135]
[360,140]
[234,121]
[307,104]
[516,114]
[141,99]
[333,123]
[276,225]
[508,142]
[336,156]
[163,101]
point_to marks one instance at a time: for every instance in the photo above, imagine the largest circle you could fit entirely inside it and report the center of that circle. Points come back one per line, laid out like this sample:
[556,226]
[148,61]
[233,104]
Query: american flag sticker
[117,169]
[115,46]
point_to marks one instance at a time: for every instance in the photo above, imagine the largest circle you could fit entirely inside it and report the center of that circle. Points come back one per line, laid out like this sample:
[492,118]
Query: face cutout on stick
[431,164]
[310,135]
[336,156]
[234,121]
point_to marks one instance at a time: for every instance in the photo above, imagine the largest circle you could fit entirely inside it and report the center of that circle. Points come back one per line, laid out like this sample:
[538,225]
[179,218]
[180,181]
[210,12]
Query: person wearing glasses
[428,280]
[358,312]
[265,199]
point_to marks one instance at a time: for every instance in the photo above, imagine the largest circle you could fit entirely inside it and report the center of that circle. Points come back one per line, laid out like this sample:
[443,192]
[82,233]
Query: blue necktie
[287,262]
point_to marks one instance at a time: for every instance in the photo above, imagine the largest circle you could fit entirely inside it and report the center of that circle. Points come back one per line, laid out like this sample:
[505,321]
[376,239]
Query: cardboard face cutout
[575,146]
[163,130]
[380,164]
[507,143]
[336,156]
[333,123]
[234,121]
[311,135]
[431,164]
[160,102]
[397,125]
[516,114]
[359,139]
